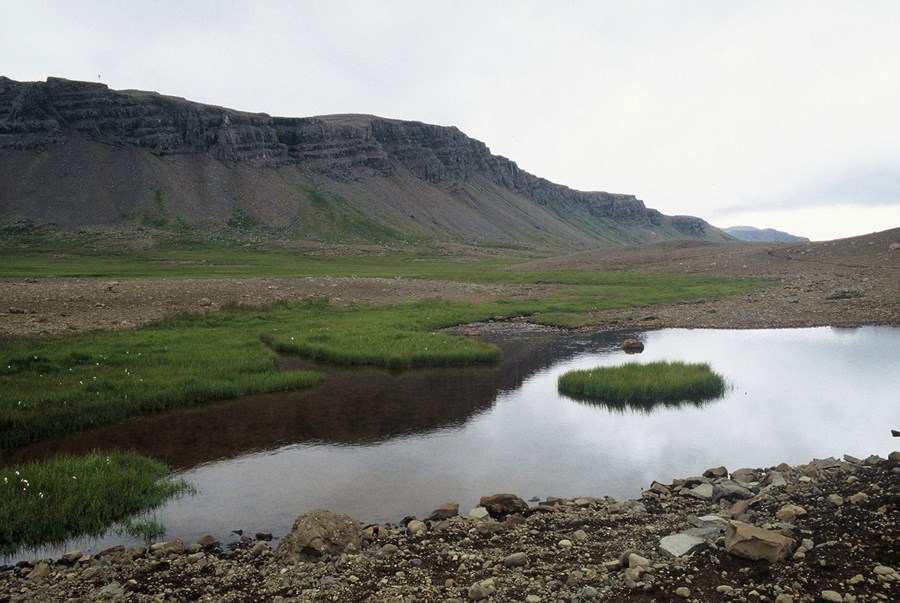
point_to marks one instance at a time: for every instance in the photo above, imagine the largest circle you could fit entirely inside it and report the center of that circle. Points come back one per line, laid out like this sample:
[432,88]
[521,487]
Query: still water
[380,446]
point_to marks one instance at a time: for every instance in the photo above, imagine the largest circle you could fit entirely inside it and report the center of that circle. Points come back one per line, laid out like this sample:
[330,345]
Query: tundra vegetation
[50,386]
[644,386]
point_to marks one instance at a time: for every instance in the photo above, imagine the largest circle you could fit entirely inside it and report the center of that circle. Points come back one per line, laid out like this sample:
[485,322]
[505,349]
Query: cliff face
[77,152]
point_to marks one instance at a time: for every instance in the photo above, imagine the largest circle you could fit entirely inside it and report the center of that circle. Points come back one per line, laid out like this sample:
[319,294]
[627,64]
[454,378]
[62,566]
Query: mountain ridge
[763,235]
[77,153]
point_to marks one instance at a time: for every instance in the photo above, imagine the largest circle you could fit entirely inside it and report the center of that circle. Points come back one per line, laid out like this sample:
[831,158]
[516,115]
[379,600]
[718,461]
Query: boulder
[702,491]
[730,491]
[416,527]
[499,506]
[207,541]
[317,533]
[633,346]
[445,511]
[751,542]
[716,472]
[745,475]
[790,513]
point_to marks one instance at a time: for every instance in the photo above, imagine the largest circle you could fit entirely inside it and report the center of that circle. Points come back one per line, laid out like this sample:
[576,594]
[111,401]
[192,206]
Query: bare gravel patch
[66,305]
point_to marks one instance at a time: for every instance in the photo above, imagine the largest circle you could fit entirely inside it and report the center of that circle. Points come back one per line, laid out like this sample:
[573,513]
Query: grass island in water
[644,385]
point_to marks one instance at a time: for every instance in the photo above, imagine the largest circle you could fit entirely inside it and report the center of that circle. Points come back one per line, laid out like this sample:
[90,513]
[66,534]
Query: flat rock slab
[750,542]
[680,544]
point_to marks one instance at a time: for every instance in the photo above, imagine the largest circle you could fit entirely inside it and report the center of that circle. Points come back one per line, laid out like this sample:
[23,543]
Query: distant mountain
[749,233]
[78,153]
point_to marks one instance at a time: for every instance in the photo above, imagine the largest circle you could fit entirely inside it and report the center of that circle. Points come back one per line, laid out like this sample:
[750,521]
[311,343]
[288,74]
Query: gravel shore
[833,522]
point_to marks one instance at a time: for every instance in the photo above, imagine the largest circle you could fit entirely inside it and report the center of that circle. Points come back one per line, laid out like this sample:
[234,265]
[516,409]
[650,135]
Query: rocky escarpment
[822,531]
[65,143]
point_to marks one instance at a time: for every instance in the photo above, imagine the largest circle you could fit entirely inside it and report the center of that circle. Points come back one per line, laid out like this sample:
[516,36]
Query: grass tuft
[48,502]
[644,385]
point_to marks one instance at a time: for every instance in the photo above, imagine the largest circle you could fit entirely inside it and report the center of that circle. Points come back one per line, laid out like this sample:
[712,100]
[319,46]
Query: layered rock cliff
[80,153]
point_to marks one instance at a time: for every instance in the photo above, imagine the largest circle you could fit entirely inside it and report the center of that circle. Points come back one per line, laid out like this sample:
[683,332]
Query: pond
[380,445]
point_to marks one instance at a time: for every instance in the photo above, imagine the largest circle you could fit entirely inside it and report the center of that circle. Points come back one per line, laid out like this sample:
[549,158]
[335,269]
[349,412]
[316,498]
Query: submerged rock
[633,346]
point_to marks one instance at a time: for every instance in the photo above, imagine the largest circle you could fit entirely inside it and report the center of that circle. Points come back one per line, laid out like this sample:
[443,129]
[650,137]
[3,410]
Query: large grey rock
[707,533]
[829,463]
[701,491]
[708,521]
[677,545]
[730,491]
[775,479]
[316,533]
[745,475]
[751,542]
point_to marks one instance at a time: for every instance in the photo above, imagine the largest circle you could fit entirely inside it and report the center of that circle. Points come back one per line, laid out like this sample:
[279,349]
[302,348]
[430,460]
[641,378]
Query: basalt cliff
[76,154]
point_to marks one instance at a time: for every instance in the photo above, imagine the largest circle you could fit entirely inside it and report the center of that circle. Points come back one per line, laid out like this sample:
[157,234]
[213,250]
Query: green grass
[402,336]
[644,385]
[56,385]
[48,502]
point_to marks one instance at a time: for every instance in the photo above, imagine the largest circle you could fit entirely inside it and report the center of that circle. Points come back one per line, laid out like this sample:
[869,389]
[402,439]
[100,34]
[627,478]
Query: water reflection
[380,446]
[639,406]
[352,407]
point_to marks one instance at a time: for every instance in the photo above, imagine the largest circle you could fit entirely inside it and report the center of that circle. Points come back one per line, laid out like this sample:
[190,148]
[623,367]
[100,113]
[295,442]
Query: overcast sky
[773,114]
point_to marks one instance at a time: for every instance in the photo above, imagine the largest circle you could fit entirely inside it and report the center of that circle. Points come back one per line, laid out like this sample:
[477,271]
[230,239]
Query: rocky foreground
[823,531]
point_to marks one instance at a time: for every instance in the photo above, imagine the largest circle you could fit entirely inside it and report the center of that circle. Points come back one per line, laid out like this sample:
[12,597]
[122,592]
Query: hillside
[768,235]
[77,154]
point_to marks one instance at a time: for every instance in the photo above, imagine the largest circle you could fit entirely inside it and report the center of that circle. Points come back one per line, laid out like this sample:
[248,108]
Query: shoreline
[839,517]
